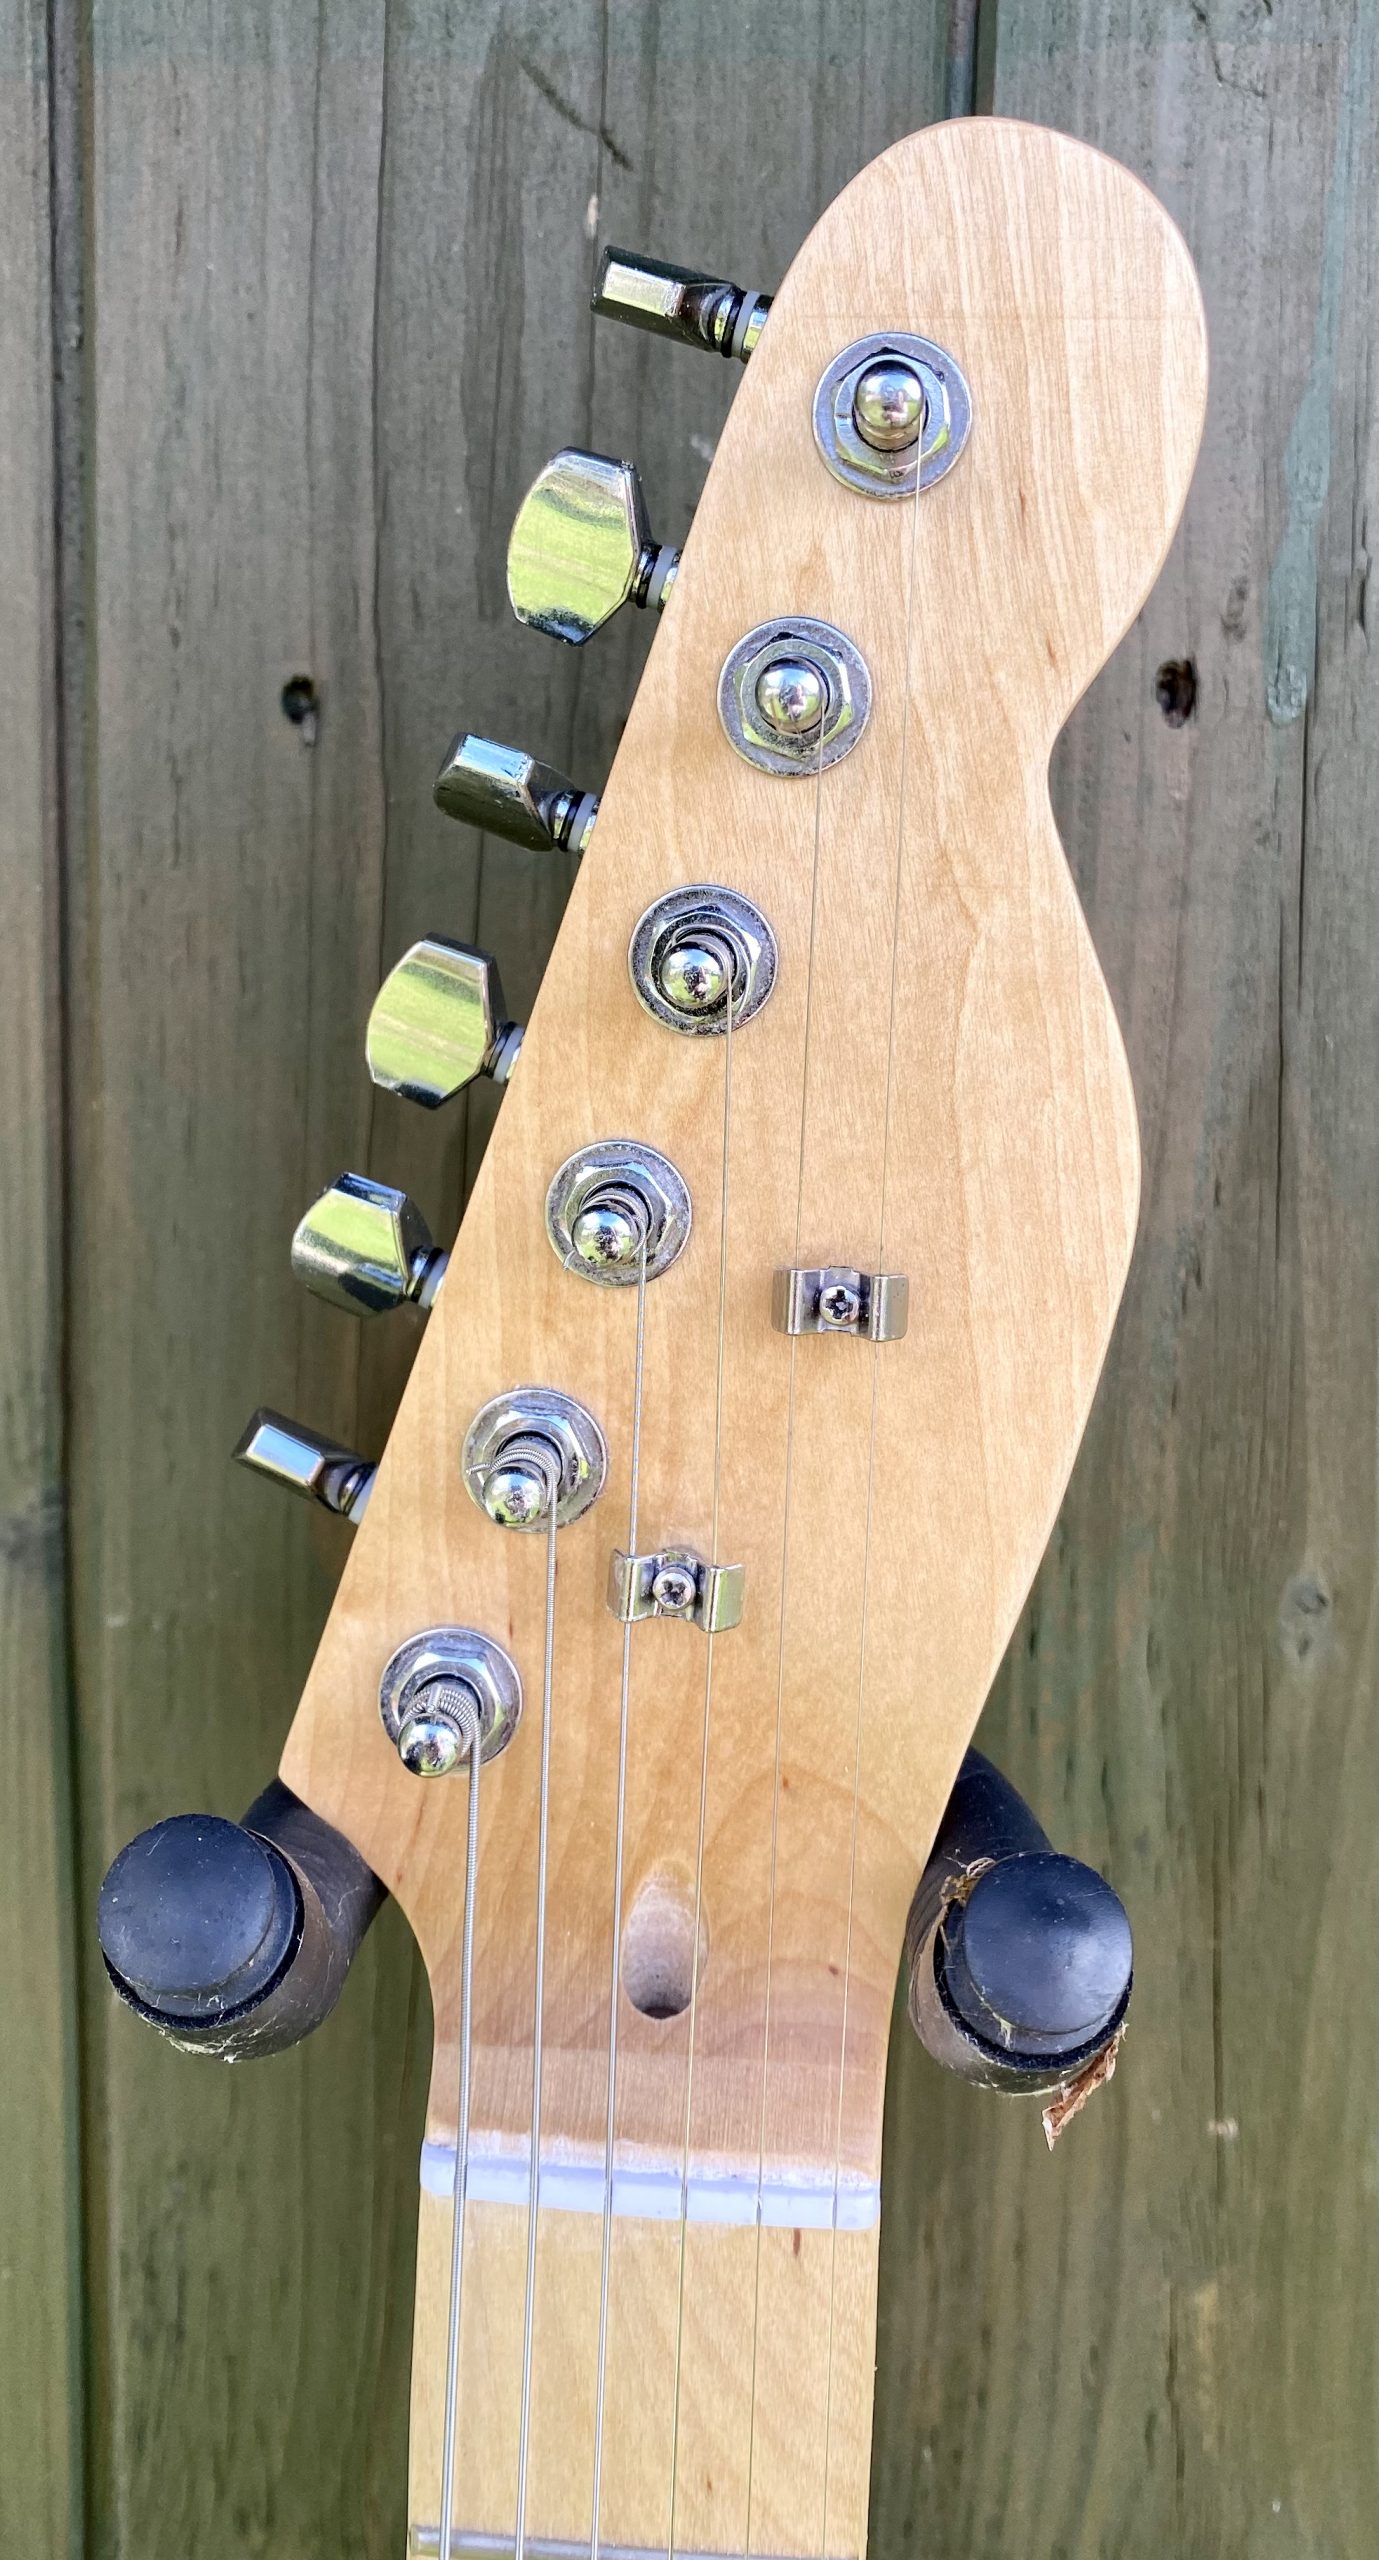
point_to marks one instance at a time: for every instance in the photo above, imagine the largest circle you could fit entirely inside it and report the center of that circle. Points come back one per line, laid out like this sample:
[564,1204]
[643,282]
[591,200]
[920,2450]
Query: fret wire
[552,1475]
[605,2261]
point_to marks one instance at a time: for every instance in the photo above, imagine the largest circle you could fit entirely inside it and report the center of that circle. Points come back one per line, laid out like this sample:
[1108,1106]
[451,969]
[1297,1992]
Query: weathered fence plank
[1164,2338]
[40,2307]
[334,272]
[339,272]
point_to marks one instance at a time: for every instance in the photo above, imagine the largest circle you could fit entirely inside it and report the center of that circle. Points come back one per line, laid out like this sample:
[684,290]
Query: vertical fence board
[1163,2339]
[338,311]
[40,2323]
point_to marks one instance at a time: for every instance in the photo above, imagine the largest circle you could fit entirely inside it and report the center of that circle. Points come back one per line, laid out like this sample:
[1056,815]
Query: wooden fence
[294,303]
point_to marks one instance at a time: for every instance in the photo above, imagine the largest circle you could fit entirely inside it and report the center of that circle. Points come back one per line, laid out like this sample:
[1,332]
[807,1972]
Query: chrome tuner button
[365,1247]
[514,795]
[613,1202]
[441,1689]
[581,546]
[526,1445]
[679,302]
[888,406]
[892,414]
[794,696]
[306,1462]
[438,1021]
[692,949]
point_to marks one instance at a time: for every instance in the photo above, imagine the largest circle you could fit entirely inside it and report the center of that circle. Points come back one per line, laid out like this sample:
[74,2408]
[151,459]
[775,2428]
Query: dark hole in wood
[1175,690]
[300,704]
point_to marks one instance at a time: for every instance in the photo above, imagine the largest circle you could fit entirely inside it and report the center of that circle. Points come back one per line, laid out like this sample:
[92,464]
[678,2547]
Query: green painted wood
[337,315]
[1163,2339]
[40,2304]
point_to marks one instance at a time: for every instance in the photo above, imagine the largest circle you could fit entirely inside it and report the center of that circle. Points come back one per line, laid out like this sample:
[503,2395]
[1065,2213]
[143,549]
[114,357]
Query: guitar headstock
[791,1266]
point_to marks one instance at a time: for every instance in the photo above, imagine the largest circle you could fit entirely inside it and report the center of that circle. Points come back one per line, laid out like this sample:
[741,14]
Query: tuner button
[511,794]
[1038,1959]
[581,546]
[679,302]
[306,1462]
[438,1022]
[365,1247]
[1020,1960]
[196,1916]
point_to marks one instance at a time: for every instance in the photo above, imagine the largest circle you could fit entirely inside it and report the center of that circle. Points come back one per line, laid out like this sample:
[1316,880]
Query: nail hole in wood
[301,705]
[1175,691]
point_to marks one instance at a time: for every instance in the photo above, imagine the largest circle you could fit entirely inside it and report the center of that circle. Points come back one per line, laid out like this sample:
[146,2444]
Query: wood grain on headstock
[943,1091]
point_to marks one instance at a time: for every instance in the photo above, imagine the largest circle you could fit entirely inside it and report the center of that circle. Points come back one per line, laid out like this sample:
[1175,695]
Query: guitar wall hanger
[663,1897]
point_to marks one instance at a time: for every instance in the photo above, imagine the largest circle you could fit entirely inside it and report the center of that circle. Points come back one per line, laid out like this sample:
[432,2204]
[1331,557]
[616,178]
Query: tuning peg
[581,546]
[306,1462]
[365,1247]
[679,302]
[1020,1961]
[235,1938]
[511,794]
[438,1022]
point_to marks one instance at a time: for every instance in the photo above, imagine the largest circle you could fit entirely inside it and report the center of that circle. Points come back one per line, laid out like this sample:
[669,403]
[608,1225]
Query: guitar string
[619,1832]
[710,1640]
[780,1656]
[461,2183]
[876,1348]
[552,1476]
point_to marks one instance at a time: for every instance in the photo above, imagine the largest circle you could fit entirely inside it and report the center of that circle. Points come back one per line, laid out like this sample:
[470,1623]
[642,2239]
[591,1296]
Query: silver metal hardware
[438,1021]
[872,1305]
[515,1441]
[680,303]
[605,1199]
[767,696]
[674,1582]
[511,794]
[365,1247]
[434,1691]
[306,1462]
[694,945]
[892,412]
[581,545]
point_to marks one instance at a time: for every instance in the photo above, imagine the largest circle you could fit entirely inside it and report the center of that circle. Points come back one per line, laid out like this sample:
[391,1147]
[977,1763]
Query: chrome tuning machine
[508,793]
[581,546]
[696,310]
[366,1248]
[306,1462]
[438,1021]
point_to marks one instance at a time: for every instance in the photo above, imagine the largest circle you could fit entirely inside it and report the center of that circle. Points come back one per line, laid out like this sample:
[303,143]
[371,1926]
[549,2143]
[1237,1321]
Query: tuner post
[681,303]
